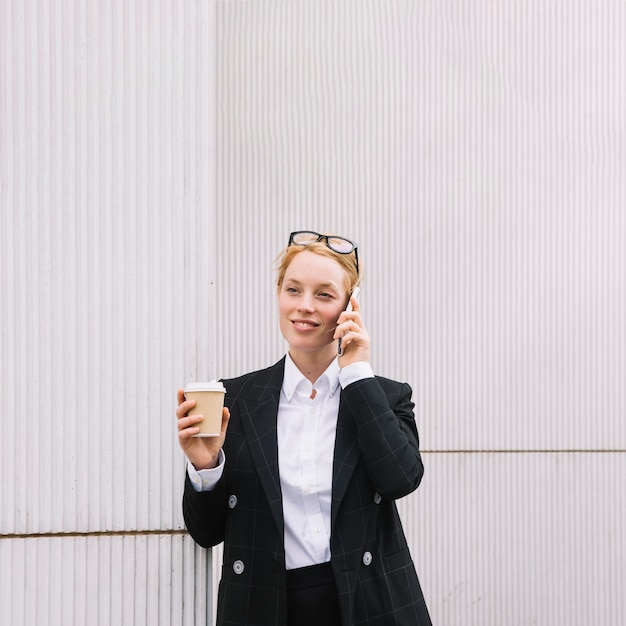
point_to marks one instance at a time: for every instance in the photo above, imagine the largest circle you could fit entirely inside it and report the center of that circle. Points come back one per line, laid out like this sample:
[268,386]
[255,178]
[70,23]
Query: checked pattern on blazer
[376,461]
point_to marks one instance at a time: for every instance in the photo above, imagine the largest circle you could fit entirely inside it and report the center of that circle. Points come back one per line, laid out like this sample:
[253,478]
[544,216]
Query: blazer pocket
[402,580]
[397,560]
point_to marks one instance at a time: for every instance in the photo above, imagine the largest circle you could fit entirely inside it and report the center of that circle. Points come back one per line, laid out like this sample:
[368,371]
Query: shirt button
[377,498]
[367,558]
[238,567]
[232,501]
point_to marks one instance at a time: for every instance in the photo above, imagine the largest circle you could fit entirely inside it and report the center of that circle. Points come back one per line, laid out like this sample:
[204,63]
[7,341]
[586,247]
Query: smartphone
[355,294]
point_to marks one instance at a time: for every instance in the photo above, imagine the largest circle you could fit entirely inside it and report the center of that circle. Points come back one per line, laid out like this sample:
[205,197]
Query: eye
[291,290]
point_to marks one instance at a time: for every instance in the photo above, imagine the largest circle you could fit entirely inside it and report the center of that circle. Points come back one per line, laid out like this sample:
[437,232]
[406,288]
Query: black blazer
[376,460]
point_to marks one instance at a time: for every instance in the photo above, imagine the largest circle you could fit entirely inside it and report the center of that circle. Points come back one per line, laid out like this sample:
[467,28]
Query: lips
[304,324]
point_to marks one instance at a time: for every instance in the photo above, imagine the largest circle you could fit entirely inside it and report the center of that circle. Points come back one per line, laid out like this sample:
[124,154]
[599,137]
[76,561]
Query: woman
[300,486]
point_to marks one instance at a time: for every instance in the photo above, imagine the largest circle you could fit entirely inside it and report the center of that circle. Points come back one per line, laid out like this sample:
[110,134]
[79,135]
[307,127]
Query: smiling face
[310,299]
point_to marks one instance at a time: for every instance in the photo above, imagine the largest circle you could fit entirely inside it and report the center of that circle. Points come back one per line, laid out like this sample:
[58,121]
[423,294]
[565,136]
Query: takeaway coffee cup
[209,399]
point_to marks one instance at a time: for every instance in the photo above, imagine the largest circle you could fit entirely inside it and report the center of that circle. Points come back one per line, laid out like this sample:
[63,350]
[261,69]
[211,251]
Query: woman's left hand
[355,340]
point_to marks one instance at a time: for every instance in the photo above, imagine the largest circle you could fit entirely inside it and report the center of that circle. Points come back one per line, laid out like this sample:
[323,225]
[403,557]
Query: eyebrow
[325,285]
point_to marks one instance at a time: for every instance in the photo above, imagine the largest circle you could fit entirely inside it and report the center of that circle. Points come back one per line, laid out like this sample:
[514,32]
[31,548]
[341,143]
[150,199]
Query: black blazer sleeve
[381,411]
[206,530]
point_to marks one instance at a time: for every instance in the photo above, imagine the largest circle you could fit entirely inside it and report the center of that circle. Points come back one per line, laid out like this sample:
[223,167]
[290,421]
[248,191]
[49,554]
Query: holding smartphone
[355,294]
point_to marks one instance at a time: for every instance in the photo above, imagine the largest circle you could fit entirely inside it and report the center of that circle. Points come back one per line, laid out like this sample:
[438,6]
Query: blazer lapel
[346,457]
[259,410]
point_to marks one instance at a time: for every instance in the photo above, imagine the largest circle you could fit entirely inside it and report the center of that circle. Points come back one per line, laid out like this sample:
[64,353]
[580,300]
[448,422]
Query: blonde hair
[347,262]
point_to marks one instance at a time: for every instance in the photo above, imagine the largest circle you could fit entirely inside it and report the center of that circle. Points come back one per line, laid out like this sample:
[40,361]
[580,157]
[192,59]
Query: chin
[309,347]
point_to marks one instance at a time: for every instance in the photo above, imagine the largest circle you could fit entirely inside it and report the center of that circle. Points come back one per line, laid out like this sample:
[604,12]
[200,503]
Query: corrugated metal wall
[475,150]
[107,174]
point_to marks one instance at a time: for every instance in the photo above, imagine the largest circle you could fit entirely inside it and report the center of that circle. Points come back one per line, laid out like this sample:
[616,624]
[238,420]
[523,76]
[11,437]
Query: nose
[306,303]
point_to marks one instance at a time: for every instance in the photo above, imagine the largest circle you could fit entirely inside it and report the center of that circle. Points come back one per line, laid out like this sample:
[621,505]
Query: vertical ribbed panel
[516,319]
[107,190]
[526,538]
[104,580]
[475,150]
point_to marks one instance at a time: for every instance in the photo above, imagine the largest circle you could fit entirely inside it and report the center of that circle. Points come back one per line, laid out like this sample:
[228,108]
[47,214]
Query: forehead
[309,266]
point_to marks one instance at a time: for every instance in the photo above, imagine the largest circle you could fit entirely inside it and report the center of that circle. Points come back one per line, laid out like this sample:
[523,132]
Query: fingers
[225,419]
[356,305]
[187,424]
[348,327]
[186,436]
[189,421]
[184,406]
[355,340]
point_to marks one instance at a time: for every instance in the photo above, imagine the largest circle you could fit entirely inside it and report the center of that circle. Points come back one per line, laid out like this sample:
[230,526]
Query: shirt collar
[293,377]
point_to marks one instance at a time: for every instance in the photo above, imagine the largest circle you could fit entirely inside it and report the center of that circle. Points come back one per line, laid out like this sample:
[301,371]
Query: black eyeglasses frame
[326,238]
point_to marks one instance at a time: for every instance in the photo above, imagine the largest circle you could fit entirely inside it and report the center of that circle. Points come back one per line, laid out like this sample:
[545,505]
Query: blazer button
[238,567]
[377,498]
[232,502]
[367,558]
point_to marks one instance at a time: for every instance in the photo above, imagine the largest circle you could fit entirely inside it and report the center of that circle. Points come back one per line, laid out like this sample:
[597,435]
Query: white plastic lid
[213,385]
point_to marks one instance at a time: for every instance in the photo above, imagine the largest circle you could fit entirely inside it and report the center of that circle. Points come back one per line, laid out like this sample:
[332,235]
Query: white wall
[107,179]
[475,150]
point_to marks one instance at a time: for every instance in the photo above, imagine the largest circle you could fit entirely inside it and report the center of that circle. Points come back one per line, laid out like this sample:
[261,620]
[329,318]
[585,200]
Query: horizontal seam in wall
[529,451]
[99,533]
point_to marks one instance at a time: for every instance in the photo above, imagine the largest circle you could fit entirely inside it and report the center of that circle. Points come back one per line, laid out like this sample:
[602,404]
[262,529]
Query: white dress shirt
[306,429]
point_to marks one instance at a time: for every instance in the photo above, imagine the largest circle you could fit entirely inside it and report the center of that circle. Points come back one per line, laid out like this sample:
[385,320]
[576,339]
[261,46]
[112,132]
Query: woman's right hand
[202,452]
